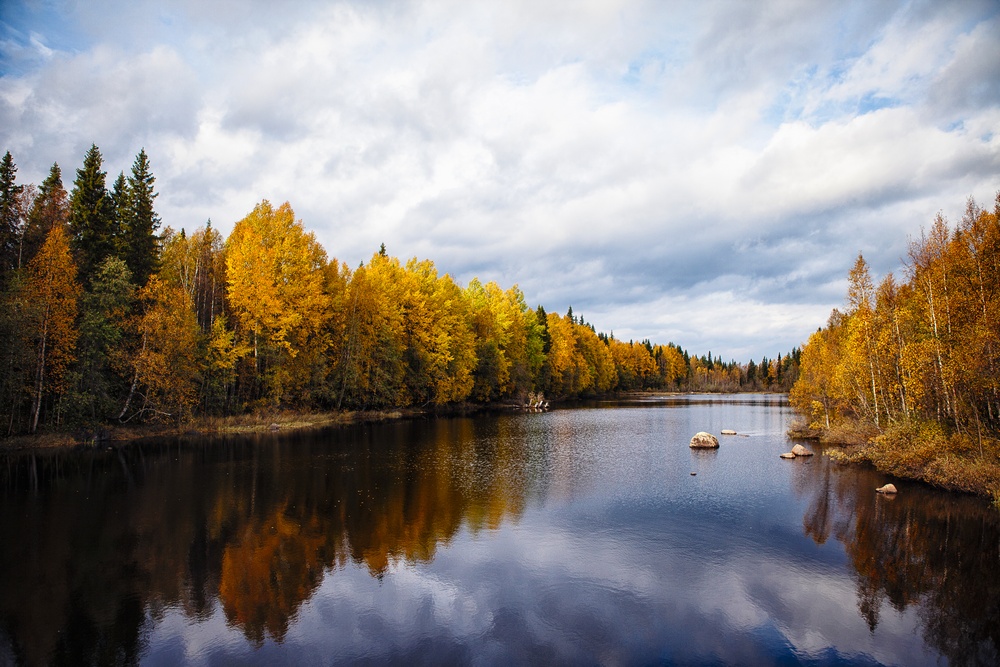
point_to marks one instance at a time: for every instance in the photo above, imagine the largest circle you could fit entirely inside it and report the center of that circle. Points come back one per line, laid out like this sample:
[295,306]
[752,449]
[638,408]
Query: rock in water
[703,440]
[799,450]
[888,488]
[728,431]
[787,455]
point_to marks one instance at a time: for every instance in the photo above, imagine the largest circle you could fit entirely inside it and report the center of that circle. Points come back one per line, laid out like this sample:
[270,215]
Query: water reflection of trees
[95,545]
[936,550]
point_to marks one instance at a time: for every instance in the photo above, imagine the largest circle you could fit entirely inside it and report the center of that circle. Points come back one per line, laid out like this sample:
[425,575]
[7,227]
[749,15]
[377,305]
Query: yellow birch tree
[51,296]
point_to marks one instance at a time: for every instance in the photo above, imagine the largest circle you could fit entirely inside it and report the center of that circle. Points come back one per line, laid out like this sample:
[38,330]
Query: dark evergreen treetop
[10,215]
[91,214]
[139,225]
[121,205]
[50,207]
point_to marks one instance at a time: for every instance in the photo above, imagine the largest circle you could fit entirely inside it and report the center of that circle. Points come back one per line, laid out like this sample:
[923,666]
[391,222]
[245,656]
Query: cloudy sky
[697,172]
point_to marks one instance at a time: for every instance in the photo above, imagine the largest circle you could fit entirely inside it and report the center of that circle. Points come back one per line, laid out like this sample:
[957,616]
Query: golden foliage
[166,365]
[51,295]
[927,351]
[275,280]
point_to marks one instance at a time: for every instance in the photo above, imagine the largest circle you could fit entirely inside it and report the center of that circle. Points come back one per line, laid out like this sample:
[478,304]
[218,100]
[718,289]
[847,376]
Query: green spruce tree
[139,221]
[50,208]
[91,216]
[10,217]
[121,204]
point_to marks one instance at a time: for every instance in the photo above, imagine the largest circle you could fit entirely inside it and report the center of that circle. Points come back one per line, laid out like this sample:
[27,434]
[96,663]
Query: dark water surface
[576,536]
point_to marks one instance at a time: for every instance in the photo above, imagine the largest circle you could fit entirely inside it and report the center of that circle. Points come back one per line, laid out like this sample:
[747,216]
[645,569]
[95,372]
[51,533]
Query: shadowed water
[576,536]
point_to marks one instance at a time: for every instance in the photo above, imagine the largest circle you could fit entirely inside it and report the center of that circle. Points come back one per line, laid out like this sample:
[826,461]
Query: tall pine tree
[121,204]
[140,222]
[91,216]
[49,209]
[10,216]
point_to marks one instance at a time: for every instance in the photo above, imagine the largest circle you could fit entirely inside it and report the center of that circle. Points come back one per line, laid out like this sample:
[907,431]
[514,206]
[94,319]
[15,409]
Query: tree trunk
[40,383]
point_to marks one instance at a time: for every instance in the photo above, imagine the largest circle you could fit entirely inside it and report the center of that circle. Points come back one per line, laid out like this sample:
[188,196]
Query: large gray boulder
[703,440]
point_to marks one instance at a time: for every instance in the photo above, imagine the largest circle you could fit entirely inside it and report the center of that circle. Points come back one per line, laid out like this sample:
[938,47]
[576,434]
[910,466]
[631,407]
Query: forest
[106,318]
[911,368]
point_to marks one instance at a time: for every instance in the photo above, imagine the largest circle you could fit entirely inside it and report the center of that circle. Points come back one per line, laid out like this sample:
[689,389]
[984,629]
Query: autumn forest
[107,319]
[911,369]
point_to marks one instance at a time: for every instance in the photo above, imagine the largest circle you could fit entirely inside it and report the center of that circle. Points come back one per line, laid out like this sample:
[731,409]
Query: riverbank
[259,422]
[920,451]
[280,420]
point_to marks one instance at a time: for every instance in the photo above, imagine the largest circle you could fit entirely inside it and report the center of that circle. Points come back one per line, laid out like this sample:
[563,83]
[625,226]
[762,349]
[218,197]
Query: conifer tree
[121,206]
[139,221]
[91,215]
[10,216]
[49,209]
[103,345]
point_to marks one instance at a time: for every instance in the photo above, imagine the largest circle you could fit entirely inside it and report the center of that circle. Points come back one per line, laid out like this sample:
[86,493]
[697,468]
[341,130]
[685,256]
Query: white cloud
[656,146]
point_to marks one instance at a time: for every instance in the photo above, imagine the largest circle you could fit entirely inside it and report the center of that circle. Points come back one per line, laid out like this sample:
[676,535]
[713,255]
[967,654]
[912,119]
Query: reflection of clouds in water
[644,564]
[613,586]
[591,545]
[531,591]
[179,639]
[816,610]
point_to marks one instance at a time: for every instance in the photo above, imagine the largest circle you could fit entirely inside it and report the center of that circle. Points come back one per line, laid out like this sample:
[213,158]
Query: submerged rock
[703,440]
[888,488]
[799,450]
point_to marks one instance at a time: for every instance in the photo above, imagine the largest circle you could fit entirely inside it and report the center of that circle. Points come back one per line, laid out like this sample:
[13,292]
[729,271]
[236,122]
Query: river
[588,535]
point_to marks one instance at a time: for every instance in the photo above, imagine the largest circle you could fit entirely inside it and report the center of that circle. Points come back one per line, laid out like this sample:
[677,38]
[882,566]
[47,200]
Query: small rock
[888,488]
[703,440]
[275,427]
[799,450]
[728,431]
[693,474]
[788,455]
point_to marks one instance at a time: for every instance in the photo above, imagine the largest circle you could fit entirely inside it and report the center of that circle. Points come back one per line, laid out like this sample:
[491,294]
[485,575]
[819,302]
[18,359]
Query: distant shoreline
[265,422]
[281,421]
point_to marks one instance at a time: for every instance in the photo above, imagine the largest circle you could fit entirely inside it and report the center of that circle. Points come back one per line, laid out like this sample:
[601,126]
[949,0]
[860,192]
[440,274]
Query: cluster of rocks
[797,451]
[704,440]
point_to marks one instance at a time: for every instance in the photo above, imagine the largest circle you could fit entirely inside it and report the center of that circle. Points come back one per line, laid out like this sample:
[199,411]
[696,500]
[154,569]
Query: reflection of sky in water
[529,592]
[622,556]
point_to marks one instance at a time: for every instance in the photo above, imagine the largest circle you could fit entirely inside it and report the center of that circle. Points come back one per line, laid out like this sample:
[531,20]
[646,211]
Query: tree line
[919,356]
[107,319]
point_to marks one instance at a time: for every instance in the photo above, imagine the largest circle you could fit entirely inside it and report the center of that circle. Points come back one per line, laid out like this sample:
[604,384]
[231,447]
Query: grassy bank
[259,422]
[923,451]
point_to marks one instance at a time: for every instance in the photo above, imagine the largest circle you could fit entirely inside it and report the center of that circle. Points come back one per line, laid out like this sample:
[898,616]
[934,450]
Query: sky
[703,173]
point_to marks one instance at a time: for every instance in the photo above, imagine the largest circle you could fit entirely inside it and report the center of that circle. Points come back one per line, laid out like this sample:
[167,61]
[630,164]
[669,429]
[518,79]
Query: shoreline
[272,421]
[912,457]
[287,421]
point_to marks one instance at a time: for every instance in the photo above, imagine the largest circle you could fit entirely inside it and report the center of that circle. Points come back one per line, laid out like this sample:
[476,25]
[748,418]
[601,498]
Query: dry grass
[38,441]
[925,451]
[259,422]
